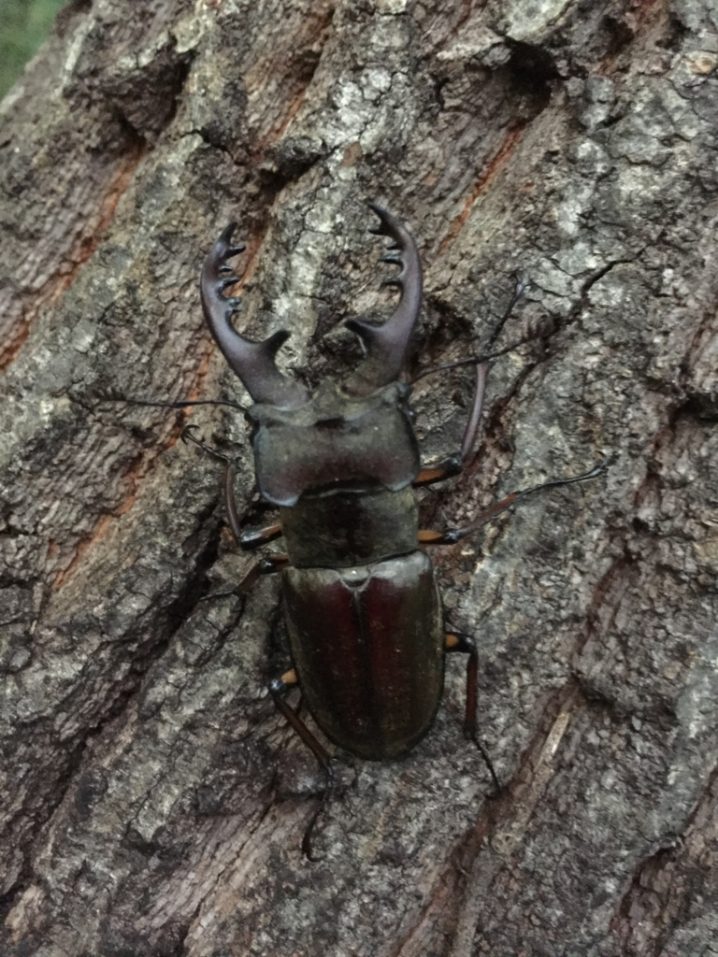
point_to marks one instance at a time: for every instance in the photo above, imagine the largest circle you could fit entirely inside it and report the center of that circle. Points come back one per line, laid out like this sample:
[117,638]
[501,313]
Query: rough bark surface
[153,804]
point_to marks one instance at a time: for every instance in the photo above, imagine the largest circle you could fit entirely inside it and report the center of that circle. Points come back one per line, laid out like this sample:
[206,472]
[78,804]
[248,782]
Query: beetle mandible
[361,603]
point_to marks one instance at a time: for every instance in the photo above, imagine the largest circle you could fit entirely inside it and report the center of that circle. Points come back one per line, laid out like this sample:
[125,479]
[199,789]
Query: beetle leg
[446,468]
[453,464]
[251,538]
[451,535]
[247,538]
[278,689]
[266,565]
[457,641]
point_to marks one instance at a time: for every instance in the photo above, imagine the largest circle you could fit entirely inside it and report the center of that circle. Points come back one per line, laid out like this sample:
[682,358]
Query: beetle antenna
[180,404]
[519,289]
[472,360]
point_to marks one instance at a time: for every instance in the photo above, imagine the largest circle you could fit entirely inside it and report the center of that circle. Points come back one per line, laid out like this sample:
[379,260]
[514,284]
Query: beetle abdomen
[368,646]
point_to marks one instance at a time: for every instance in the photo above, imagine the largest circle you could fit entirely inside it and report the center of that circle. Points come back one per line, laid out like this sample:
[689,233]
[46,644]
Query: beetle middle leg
[457,641]
[278,688]
[450,536]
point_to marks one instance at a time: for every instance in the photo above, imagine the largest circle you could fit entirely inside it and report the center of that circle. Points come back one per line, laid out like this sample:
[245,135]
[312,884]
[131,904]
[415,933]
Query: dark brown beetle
[361,603]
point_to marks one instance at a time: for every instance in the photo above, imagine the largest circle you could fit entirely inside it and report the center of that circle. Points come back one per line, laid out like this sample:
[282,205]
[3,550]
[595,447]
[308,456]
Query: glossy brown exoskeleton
[361,602]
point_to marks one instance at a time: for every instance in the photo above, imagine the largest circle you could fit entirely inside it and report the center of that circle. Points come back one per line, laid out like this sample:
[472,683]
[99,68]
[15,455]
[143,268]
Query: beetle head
[357,432]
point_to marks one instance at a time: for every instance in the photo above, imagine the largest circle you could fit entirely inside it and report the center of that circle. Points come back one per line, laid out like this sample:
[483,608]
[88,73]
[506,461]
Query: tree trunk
[154,803]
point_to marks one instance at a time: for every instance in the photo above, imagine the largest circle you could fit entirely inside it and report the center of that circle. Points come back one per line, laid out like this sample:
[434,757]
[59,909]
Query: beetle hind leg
[458,642]
[278,689]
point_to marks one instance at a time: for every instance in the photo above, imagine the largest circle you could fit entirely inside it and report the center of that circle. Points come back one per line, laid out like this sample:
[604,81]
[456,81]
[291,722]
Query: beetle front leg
[247,538]
[453,464]
[457,641]
[278,689]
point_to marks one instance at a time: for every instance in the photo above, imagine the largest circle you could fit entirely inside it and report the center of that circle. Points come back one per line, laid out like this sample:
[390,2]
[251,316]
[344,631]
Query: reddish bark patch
[488,173]
[69,268]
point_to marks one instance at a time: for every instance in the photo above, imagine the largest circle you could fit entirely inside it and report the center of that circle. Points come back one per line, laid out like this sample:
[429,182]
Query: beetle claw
[186,434]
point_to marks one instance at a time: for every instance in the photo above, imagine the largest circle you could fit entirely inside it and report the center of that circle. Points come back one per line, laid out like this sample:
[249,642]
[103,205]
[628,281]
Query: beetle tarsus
[327,795]
[278,689]
[457,641]
[451,536]
[496,787]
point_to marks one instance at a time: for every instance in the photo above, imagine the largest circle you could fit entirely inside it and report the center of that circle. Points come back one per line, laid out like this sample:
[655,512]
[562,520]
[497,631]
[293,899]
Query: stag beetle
[361,603]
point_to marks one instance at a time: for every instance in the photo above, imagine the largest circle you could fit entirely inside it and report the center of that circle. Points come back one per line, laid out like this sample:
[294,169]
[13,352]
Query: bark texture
[153,804]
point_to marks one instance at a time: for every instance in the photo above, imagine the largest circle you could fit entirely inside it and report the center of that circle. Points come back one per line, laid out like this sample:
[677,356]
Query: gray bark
[153,804]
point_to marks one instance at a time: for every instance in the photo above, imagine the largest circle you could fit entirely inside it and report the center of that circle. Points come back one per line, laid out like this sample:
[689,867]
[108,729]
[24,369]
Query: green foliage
[24,24]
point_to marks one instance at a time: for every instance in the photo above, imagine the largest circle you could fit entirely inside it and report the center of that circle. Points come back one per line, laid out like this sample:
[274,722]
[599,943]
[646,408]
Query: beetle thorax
[345,528]
[335,441]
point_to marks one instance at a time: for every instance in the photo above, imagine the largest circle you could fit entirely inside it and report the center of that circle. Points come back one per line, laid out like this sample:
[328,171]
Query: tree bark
[154,804]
